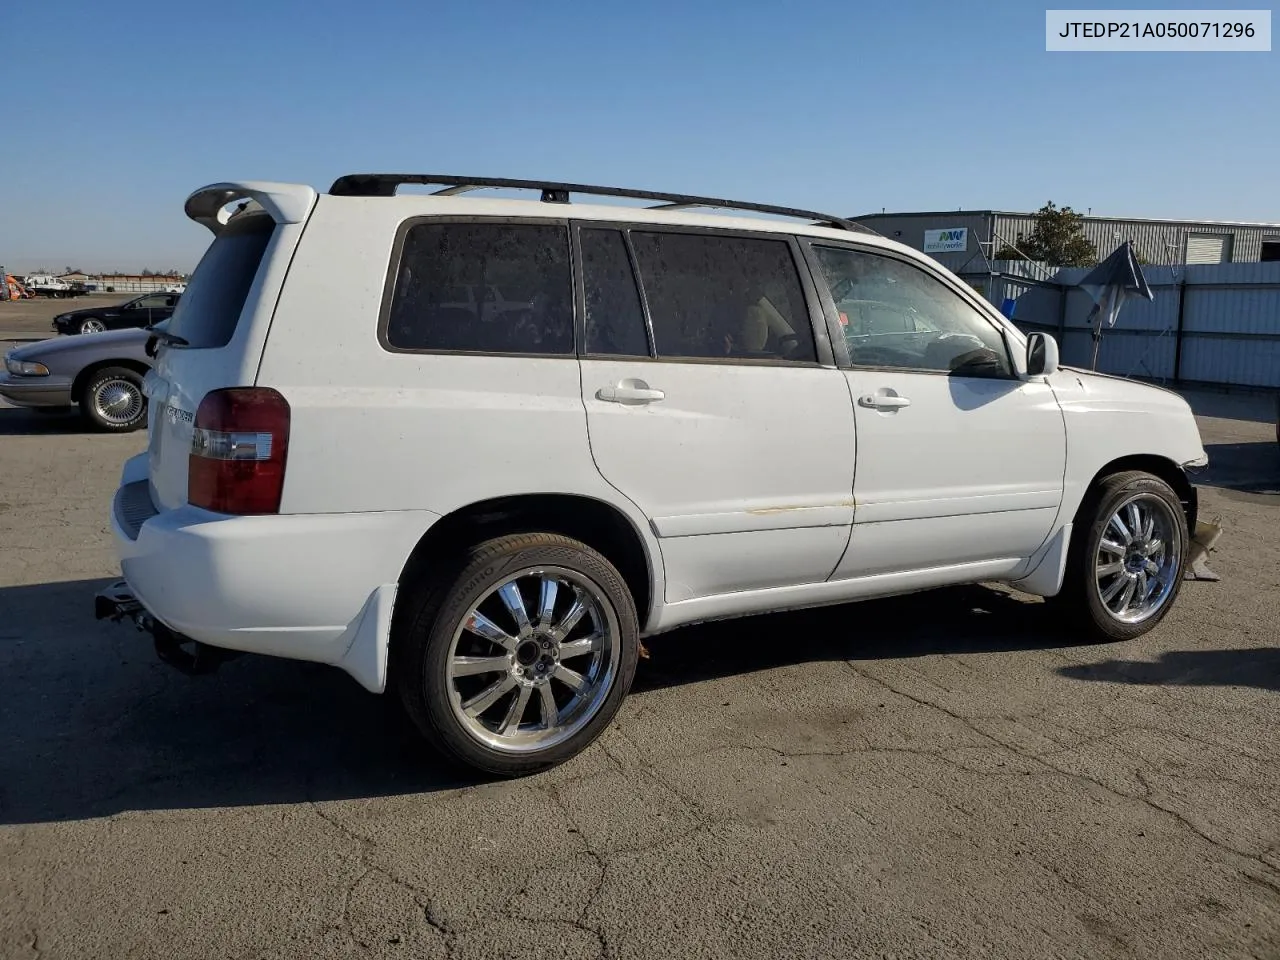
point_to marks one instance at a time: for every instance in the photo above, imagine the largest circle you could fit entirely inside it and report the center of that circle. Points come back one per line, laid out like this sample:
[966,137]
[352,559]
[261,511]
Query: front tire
[1125,566]
[113,401]
[520,657]
[92,325]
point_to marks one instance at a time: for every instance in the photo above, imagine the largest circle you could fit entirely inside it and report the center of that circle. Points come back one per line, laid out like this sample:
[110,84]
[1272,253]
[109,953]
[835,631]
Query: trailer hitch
[117,603]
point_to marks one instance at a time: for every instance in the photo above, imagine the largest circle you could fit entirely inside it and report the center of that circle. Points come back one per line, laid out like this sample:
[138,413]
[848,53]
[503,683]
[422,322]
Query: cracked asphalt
[942,775]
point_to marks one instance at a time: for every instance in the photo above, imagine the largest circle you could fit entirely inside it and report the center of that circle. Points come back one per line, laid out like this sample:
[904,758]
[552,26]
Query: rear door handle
[630,392]
[882,401]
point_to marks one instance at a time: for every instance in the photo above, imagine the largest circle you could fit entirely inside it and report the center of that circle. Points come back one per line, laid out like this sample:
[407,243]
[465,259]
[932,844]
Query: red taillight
[238,451]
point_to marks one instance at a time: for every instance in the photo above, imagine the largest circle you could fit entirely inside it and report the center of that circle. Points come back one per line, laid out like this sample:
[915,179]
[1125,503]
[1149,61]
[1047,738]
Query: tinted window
[155,303]
[615,320]
[895,315]
[207,314]
[733,298]
[483,287]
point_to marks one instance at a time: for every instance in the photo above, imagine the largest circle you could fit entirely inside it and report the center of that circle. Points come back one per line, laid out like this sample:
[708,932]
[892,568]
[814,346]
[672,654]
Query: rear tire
[518,655]
[1120,582]
[113,401]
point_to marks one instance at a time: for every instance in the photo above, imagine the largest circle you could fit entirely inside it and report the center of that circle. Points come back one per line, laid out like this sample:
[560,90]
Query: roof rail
[385,184]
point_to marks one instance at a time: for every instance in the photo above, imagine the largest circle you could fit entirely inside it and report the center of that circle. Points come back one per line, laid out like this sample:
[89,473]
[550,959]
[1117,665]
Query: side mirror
[1042,355]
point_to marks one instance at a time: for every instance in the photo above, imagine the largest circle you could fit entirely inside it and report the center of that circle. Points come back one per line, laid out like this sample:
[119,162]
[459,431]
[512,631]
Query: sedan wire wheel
[117,401]
[1139,558]
[533,661]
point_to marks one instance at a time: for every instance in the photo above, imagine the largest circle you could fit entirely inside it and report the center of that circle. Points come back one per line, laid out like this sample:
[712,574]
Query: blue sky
[840,106]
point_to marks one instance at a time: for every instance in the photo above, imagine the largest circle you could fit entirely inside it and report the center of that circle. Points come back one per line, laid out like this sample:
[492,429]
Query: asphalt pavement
[942,775]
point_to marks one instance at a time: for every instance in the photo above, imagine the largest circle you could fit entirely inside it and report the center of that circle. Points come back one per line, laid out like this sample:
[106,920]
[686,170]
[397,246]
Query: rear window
[483,288]
[207,314]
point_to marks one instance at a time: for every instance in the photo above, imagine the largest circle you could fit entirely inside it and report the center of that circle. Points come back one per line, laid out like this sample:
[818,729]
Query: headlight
[25,368]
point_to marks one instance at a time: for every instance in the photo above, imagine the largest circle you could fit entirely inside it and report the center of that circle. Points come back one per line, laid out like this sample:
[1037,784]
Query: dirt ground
[942,775]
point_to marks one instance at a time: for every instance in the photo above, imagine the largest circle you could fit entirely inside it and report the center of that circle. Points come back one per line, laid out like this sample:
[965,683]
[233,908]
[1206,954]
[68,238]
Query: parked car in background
[143,311]
[101,373]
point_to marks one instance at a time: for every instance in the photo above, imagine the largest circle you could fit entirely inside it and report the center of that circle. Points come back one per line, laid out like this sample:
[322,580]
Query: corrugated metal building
[958,239]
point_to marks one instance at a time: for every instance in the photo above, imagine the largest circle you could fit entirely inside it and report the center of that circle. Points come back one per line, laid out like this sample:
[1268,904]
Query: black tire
[84,321]
[424,643]
[98,415]
[1081,596]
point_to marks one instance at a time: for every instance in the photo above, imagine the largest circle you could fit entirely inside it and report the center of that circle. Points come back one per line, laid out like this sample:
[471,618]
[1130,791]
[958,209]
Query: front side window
[894,314]
[720,297]
[483,288]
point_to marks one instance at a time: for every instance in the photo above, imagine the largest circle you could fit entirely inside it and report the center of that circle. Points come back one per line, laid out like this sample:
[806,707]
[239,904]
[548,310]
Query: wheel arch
[595,522]
[84,376]
[1158,466]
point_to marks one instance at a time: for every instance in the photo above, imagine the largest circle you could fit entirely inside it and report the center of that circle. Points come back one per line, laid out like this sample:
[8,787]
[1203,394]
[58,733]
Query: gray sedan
[101,372]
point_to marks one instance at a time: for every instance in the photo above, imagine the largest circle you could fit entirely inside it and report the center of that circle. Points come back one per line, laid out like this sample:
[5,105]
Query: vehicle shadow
[1257,667]
[1247,467]
[957,620]
[96,725]
[22,422]
[1258,407]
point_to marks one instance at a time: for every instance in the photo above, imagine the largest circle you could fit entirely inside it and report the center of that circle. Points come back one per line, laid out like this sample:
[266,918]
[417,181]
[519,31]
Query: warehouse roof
[1117,219]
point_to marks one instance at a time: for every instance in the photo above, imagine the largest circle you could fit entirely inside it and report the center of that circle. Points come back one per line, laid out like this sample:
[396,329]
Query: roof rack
[385,184]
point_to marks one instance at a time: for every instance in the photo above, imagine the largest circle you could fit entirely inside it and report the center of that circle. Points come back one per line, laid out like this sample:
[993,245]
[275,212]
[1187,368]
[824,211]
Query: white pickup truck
[53,287]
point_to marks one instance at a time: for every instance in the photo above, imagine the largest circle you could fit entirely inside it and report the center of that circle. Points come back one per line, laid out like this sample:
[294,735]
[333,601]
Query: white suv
[676,416]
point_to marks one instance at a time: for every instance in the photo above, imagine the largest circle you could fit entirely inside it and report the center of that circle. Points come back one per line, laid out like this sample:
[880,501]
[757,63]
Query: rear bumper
[35,391]
[308,587]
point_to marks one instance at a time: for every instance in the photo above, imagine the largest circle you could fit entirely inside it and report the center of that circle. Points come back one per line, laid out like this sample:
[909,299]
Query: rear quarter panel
[375,430]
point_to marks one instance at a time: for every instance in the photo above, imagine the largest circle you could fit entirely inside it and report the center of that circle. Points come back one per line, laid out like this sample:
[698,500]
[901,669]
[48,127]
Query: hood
[122,340]
[1111,388]
[1154,420]
[1100,380]
[90,311]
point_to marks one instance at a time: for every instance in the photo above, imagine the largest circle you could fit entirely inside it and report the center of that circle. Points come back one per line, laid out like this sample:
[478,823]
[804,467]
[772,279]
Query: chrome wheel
[117,401]
[1139,558]
[533,661]
[92,326]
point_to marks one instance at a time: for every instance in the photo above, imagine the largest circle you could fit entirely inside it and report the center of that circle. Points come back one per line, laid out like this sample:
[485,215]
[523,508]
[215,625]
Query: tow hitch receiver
[116,603]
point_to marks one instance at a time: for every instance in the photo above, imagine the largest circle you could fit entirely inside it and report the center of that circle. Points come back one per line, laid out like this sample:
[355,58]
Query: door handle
[630,391]
[882,401]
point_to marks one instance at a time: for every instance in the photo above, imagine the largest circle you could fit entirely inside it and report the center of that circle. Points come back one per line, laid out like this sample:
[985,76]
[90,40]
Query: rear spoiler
[285,202]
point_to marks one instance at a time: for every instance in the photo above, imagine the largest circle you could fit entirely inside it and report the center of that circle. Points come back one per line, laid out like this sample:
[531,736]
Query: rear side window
[207,314]
[615,320]
[483,288]
[722,297]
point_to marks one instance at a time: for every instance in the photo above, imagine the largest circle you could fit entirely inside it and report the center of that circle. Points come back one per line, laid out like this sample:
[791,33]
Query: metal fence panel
[1229,331]
[1253,363]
